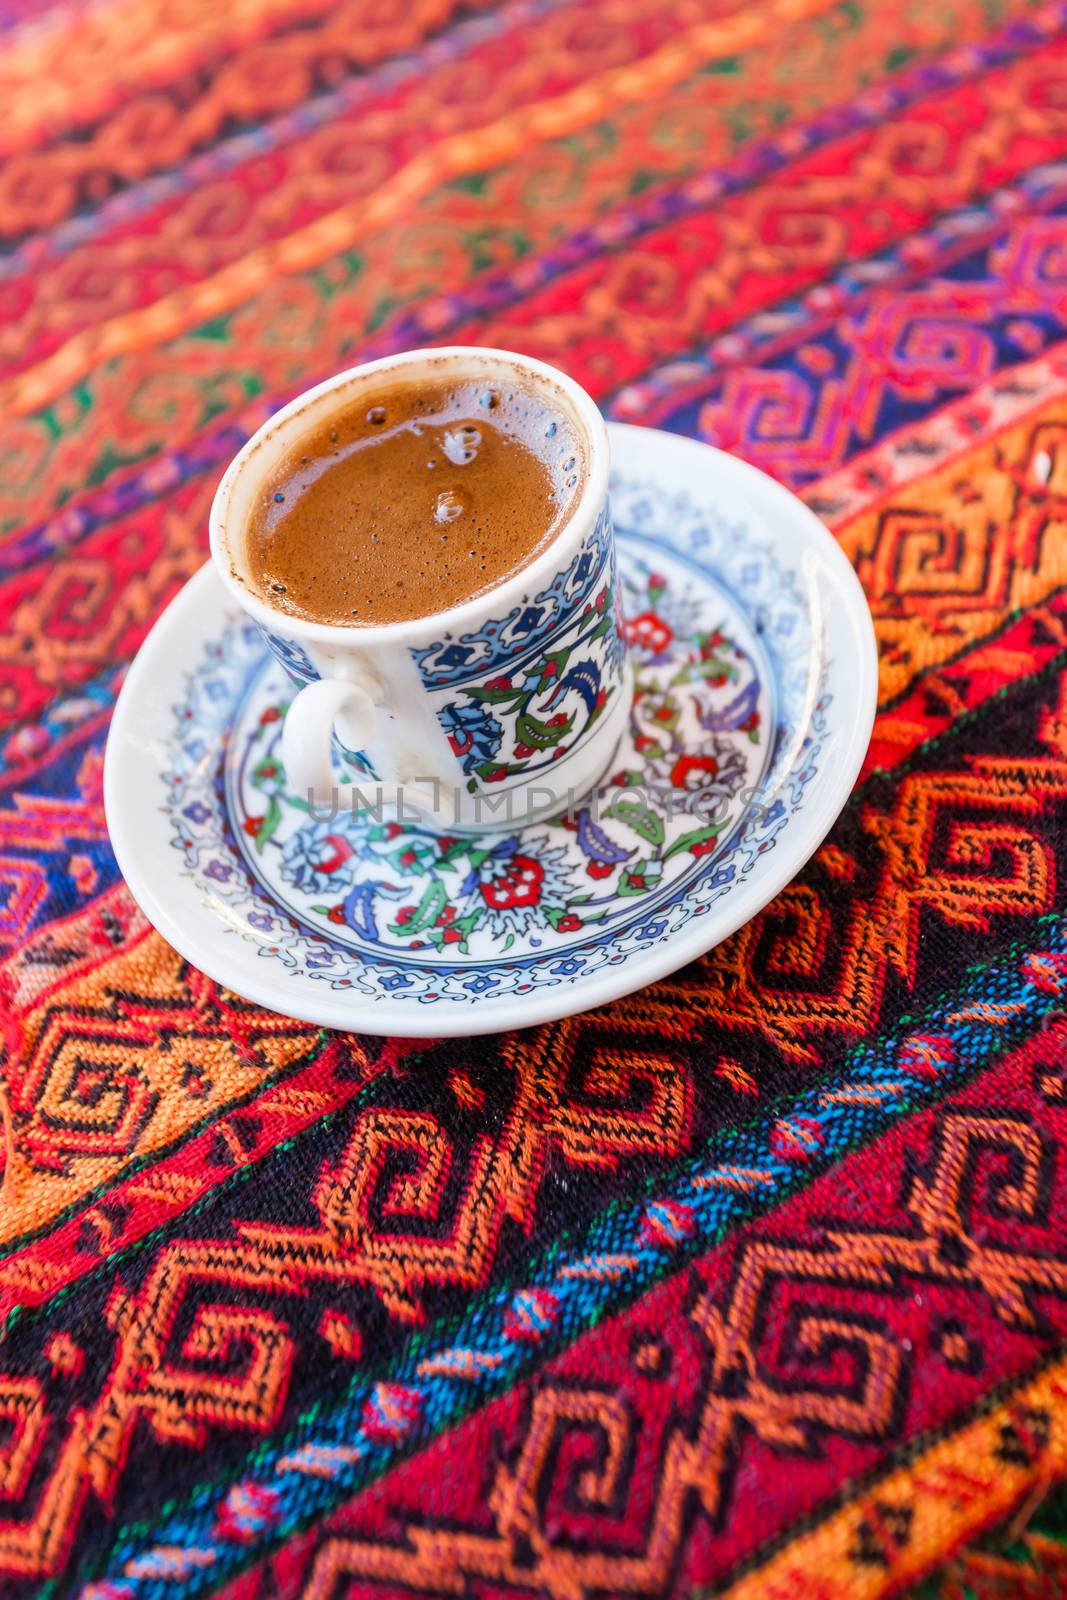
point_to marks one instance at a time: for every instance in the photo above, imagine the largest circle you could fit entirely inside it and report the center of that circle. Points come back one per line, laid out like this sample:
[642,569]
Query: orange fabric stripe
[948,1494]
[466,152]
[64,71]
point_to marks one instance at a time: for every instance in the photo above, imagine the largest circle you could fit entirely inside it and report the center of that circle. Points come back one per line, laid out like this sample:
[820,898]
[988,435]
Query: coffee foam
[417,495]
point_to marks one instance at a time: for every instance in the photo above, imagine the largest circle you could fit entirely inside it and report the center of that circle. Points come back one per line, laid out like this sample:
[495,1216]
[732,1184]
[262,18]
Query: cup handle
[306,755]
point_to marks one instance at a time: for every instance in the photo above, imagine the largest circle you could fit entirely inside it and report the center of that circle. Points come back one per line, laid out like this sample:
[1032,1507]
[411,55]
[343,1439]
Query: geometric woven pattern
[754,1283]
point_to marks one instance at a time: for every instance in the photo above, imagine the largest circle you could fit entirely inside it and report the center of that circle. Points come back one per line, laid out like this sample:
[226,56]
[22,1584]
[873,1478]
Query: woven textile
[755,1284]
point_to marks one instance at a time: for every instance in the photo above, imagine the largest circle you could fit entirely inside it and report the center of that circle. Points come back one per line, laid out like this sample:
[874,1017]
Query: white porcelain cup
[494,712]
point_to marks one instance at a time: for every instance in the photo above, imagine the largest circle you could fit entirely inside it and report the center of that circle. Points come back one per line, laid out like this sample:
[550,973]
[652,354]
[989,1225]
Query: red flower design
[499,683]
[520,885]
[336,914]
[568,923]
[686,766]
[495,774]
[599,869]
[270,715]
[649,631]
[252,825]
[340,850]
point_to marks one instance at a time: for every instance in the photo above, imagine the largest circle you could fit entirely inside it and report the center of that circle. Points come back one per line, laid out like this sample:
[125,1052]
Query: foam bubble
[460,445]
[450,504]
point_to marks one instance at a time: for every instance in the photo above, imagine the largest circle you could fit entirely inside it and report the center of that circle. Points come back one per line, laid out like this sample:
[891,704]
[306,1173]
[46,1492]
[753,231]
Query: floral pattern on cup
[524,690]
[527,717]
[697,738]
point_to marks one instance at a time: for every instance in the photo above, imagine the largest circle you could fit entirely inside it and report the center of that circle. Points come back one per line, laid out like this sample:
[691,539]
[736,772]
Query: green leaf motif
[698,836]
[269,825]
[645,822]
[532,731]
[715,667]
[497,697]
[627,887]
[462,925]
[427,912]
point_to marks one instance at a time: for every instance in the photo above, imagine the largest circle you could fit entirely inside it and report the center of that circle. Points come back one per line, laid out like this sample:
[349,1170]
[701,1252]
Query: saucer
[755,678]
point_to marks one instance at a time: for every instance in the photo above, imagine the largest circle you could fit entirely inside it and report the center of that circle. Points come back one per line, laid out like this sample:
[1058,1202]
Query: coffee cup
[501,709]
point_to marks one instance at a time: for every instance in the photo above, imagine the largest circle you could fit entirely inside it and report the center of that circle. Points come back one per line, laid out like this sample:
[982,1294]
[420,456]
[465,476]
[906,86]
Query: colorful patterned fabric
[756,1284]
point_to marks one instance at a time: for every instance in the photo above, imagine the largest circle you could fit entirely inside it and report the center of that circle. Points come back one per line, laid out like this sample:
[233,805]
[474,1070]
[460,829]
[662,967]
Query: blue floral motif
[474,734]
[543,706]
[313,856]
[525,689]
[475,656]
[293,657]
